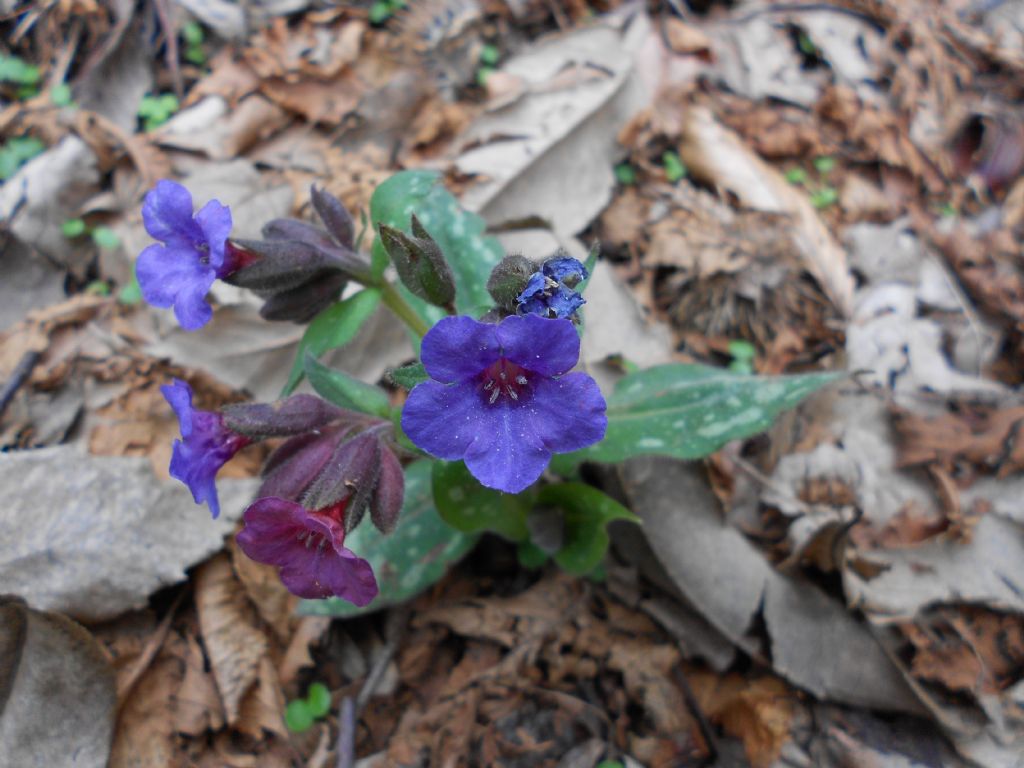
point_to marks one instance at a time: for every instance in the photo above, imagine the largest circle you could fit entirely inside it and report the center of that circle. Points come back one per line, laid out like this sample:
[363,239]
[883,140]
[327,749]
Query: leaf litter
[863,552]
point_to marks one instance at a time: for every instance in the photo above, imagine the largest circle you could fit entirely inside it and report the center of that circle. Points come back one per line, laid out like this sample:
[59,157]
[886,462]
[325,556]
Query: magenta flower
[179,273]
[308,548]
[206,445]
[501,399]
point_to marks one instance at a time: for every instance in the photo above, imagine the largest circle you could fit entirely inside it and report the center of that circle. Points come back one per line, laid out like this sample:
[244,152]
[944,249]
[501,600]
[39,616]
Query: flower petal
[547,347]
[214,220]
[190,465]
[179,396]
[174,276]
[443,420]
[308,549]
[567,413]
[507,454]
[458,348]
[167,214]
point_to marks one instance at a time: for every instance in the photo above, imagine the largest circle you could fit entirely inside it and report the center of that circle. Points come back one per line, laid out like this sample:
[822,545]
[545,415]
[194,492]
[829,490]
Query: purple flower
[308,547]
[549,292]
[501,398]
[206,445]
[179,273]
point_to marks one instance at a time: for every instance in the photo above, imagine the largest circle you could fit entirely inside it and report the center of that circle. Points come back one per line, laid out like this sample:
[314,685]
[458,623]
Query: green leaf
[408,376]
[468,251]
[407,561]
[530,556]
[380,12]
[345,391]
[741,349]
[334,327]
[297,716]
[318,700]
[105,237]
[17,71]
[72,228]
[587,513]
[690,411]
[469,507]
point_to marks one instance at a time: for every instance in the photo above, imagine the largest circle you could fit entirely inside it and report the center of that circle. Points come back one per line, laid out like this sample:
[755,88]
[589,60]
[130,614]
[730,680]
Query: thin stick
[21,372]
[346,747]
[698,714]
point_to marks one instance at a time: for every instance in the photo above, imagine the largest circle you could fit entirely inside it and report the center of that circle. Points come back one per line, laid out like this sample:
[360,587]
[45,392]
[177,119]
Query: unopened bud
[291,416]
[420,263]
[334,215]
[509,278]
[386,503]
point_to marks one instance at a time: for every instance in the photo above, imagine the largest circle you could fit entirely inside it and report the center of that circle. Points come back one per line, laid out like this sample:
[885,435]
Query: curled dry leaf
[813,642]
[57,694]
[718,156]
[231,633]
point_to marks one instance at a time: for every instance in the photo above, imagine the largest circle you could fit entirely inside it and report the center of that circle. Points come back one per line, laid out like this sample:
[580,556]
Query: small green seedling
[743,354]
[797,176]
[300,714]
[806,45]
[73,228]
[382,10]
[625,174]
[154,111]
[105,237]
[482,74]
[98,288]
[60,95]
[824,164]
[824,197]
[297,716]
[16,152]
[130,293]
[193,36]
[490,55]
[674,168]
[948,211]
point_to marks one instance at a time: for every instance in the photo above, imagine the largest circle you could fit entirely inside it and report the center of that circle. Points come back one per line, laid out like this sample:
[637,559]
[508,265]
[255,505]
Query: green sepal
[408,376]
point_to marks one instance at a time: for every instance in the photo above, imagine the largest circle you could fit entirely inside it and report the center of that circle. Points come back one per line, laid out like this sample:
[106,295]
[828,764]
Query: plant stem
[401,308]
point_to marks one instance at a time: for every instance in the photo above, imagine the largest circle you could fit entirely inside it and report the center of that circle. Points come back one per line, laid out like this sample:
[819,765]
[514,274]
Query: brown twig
[698,714]
[21,372]
[346,748]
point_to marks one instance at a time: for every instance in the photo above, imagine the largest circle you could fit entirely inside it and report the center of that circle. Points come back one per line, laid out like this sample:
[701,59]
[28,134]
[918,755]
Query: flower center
[504,379]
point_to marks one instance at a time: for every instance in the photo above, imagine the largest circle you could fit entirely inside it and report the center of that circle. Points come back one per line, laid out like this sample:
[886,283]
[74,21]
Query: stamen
[520,379]
[489,385]
[494,395]
[512,393]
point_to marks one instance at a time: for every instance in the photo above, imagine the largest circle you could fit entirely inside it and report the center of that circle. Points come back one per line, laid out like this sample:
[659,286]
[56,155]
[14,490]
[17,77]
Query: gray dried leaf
[94,536]
[57,695]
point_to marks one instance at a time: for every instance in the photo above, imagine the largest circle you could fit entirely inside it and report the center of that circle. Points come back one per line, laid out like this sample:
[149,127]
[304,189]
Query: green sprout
[15,152]
[73,228]
[193,36]
[98,288]
[297,716]
[130,293]
[489,55]
[824,164]
[382,10]
[625,174]
[60,95]
[806,45]
[743,354]
[105,237]
[948,211]
[482,74]
[154,111]
[824,197]
[796,176]
[300,714]
[674,168]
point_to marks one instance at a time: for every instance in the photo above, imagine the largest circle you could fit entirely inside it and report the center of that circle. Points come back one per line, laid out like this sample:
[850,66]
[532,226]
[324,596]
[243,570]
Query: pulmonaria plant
[549,291]
[501,398]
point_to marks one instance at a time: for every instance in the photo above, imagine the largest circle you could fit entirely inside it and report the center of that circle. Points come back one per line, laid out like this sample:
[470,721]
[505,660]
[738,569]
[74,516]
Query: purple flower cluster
[549,292]
[501,398]
[317,485]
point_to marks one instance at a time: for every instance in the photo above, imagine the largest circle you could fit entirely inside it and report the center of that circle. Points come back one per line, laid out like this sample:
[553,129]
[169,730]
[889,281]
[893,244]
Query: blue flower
[549,292]
[501,399]
[206,445]
[179,273]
